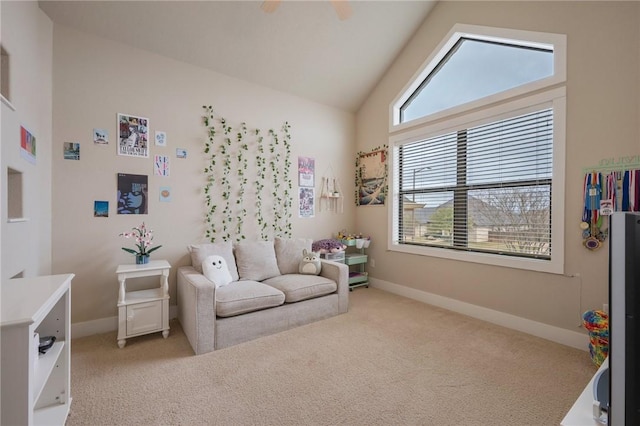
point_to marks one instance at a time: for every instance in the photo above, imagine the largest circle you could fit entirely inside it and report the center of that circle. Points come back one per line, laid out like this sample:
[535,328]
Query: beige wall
[93,80]
[603,92]
[27,37]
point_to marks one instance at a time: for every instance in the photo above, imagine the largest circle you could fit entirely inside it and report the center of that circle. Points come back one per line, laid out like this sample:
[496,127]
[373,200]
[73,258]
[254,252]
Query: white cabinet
[36,388]
[582,412]
[143,311]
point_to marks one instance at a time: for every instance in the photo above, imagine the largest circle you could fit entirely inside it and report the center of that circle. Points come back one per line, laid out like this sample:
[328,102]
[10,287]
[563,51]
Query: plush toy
[215,269]
[328,246]
[310,263]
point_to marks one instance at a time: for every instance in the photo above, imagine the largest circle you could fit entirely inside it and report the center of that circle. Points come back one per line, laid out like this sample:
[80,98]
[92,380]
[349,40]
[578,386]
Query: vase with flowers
[143,242]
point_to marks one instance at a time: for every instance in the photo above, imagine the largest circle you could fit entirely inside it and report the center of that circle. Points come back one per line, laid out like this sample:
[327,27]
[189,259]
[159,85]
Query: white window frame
[535,95]
[554,42]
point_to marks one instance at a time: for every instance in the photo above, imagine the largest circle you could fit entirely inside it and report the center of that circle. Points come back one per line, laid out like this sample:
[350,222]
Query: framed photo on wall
[307,202]
[371,177]
[306,171]
[133,194]
[133,136]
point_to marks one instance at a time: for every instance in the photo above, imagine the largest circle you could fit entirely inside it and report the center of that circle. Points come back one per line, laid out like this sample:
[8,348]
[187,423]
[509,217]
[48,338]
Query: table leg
[123,289]
[165,283]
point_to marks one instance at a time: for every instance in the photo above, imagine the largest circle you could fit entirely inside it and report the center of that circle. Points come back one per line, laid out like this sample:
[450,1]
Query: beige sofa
[267,294]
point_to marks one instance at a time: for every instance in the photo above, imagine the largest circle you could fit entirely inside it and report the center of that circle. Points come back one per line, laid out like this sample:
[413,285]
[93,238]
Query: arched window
[477,151]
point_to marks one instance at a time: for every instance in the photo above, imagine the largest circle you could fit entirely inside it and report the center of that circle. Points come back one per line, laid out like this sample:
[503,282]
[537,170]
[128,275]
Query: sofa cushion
[199,252]
[297,287]
[241,297]
[256,260]
[289,253]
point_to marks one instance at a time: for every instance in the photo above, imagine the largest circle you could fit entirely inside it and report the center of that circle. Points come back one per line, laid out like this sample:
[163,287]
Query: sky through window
[474,69]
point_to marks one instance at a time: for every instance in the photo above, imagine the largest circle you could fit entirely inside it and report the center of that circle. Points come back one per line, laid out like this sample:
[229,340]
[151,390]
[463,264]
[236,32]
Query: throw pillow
[289,253]
[215,269]
[256,260]
[310,263]
[199,252]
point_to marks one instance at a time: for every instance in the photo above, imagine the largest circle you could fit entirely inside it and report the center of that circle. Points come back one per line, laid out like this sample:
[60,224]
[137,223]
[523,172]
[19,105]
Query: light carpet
[389,360]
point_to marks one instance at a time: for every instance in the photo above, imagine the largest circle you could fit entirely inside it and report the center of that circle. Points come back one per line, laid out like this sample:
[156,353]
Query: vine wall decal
[237,156]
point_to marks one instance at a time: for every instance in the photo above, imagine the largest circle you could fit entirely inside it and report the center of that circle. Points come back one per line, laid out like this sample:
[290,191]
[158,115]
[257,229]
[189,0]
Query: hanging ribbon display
[602,195]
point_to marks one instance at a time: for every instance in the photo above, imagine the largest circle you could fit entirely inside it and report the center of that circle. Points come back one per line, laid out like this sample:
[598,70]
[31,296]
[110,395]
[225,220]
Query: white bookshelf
[35,388]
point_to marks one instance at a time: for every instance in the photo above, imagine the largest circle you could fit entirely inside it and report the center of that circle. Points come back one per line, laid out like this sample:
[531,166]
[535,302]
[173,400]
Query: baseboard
[105,325]
[545,331]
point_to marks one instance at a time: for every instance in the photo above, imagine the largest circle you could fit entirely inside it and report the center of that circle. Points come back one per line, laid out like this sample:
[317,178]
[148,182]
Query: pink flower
[144,240]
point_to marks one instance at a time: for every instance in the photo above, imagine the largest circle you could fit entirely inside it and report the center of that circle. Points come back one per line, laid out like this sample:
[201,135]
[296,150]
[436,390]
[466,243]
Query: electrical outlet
[605,307]
[373,263]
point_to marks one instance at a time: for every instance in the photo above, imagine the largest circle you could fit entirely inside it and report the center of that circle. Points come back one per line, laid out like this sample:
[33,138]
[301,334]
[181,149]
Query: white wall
[27,37]
[93,80]
[603,92]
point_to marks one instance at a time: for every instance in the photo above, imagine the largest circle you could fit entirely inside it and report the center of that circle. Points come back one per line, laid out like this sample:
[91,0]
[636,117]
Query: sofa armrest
[196,309]
[338,272]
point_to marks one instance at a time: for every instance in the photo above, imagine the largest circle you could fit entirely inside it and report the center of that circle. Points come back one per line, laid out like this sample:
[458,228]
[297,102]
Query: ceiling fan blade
[342,9]
[270,6]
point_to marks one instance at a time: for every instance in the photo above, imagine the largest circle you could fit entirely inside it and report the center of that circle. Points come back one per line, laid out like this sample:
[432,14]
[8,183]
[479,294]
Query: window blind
[485,188]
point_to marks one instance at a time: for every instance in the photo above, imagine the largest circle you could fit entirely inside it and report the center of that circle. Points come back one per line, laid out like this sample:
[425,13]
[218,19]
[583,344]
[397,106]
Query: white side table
[143,311]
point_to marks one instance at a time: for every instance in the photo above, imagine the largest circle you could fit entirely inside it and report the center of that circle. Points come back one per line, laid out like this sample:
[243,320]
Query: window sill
[538,265]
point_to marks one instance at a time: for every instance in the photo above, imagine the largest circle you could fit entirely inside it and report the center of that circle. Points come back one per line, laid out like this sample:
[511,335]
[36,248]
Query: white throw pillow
[199,253]
[215,269]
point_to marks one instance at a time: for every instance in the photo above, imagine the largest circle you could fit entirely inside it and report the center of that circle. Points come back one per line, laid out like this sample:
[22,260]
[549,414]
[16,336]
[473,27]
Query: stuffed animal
[215,269]
[310,263]
[328,246]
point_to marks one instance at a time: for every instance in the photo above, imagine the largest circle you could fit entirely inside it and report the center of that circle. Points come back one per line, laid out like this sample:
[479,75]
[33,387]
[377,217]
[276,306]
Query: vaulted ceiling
[302,48]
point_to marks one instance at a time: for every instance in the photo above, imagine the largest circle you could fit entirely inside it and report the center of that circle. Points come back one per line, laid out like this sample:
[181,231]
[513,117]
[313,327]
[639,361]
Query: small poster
[71,151]
[100,136]
[307,202]
[133,136]
[371,178]
[306,170]
[165,194]
[161,166]
[181,153]
[27,145]
[100,209]
[133,192]
[161,139]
